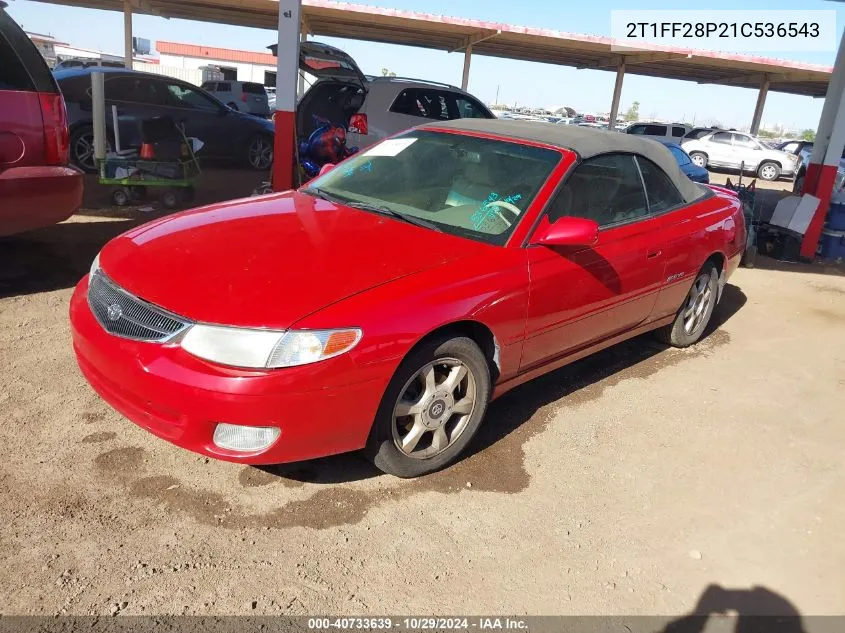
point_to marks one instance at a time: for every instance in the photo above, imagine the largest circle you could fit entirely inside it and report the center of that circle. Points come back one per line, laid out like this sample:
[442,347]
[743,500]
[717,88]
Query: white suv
[722,148]
[663,131]
[244,96]
[372,108]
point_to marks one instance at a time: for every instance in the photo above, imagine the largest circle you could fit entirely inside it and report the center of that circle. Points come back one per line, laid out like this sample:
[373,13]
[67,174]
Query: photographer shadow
[755,610]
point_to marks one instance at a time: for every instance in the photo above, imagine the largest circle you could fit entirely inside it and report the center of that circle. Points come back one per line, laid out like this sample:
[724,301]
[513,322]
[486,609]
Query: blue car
[229,136]
[692,171]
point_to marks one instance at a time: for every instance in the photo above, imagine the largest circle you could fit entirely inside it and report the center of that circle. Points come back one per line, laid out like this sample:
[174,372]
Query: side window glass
[185,97]
[660,190]
[132,90]
[409,102]
[721,137]
[636,129]
[13,75]
[470,109]
[606,189]
[677,131]
[740,140]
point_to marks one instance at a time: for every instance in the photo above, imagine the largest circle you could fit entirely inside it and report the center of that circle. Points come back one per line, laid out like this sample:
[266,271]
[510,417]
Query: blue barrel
[836,216]
[831,245]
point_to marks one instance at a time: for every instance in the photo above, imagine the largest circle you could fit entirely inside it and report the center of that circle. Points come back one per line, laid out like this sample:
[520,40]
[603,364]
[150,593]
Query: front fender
[490,289]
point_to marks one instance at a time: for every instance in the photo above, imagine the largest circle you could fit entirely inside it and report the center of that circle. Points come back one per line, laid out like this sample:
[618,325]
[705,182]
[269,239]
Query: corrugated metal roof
[410,28]
[215,53]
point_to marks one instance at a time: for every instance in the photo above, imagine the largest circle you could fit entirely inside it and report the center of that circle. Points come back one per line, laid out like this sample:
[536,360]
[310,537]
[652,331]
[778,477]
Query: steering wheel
[507,205]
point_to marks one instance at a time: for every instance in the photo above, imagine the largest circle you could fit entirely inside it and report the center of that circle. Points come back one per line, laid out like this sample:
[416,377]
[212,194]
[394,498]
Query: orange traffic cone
[147,151]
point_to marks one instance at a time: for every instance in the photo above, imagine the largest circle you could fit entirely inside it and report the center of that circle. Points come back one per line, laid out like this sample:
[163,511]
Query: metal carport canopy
[355,21]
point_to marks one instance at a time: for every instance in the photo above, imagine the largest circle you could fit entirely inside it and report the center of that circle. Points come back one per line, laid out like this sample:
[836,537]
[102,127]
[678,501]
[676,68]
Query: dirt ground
[624,484]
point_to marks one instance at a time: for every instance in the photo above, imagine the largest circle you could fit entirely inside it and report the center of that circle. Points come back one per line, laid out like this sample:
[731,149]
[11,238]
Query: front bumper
[181,399]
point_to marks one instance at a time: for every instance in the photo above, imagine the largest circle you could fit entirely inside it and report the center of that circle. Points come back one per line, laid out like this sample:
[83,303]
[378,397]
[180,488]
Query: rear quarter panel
[714,225]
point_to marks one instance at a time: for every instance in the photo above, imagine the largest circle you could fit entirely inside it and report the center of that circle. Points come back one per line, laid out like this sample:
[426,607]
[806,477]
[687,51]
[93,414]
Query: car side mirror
[568,231]
[326,168]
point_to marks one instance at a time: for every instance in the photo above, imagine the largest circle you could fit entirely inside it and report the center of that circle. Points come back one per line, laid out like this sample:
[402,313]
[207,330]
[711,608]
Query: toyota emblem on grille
[114,312]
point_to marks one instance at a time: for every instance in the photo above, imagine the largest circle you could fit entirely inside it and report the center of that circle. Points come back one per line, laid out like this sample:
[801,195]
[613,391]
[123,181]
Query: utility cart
[166,161]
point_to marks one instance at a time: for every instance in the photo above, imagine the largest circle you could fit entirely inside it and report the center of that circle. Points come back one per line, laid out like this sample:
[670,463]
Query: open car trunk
[331,102]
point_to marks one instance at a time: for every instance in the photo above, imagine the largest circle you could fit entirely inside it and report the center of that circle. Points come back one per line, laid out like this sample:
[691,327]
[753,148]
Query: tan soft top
[585,141]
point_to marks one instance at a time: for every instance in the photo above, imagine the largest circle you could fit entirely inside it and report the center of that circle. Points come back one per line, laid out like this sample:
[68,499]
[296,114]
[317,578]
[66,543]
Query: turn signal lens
[340,342]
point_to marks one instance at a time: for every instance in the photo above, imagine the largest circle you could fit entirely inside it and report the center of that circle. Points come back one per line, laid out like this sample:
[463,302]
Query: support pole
[287,69]
[300,88]
[127,34]
[827,151]
[617,93]
[761,103]
[98,116]
[467,61]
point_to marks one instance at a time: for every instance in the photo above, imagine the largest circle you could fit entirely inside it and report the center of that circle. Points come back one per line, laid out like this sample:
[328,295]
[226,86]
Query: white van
[665,131]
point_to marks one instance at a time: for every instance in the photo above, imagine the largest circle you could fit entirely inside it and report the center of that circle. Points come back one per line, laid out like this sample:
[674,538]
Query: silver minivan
[244,96]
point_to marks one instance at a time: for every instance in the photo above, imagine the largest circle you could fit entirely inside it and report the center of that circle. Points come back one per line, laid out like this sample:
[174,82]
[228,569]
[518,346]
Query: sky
[515,82]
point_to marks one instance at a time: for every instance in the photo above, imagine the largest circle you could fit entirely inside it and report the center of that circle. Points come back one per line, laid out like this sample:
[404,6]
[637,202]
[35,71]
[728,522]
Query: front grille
[123,314]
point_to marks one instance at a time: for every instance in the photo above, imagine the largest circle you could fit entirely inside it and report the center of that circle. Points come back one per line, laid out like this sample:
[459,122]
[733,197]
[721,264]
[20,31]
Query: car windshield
[464,185]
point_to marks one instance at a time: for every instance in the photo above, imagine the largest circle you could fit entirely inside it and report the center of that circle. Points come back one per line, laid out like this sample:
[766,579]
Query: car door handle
[653,254]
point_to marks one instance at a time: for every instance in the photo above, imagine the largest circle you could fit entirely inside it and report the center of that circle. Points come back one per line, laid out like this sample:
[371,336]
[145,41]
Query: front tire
[431,409]
[798,186]
[769,171]
[694,315]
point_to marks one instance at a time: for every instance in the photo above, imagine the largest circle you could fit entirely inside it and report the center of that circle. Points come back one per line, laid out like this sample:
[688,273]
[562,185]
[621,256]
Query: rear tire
[170,198]
[769,171]
[431,409]
[121,196]
[694,315]
[259,152]
[81,144]
[699,159]
[798,186]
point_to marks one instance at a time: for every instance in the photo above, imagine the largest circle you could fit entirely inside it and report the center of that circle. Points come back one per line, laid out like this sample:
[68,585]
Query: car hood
[271,260]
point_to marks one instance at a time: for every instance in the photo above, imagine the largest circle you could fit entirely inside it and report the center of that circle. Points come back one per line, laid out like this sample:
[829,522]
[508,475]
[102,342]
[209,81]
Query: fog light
[235,437]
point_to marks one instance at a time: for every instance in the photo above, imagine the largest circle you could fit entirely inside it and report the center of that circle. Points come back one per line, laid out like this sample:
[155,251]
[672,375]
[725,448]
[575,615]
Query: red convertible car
[385,304]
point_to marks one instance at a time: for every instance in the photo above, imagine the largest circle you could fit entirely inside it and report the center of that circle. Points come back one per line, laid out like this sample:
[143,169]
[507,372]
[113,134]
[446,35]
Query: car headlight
[95,265]
[264,349]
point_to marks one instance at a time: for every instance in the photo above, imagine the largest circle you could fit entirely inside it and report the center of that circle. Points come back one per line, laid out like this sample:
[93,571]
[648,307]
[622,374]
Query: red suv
[37,187]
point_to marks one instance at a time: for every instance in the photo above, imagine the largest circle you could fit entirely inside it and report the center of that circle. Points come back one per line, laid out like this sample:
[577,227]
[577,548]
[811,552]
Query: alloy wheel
[768,172]
[434,408]
[260,153]
[83,151]
[698,303]
[698,160]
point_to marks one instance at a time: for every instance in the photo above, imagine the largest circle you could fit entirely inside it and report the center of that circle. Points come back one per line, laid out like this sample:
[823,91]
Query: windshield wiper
[410,219]
[325,195]
[375,208]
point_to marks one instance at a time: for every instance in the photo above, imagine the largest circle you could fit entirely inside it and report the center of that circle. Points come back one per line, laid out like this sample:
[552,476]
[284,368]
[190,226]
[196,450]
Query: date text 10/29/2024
[417,623]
